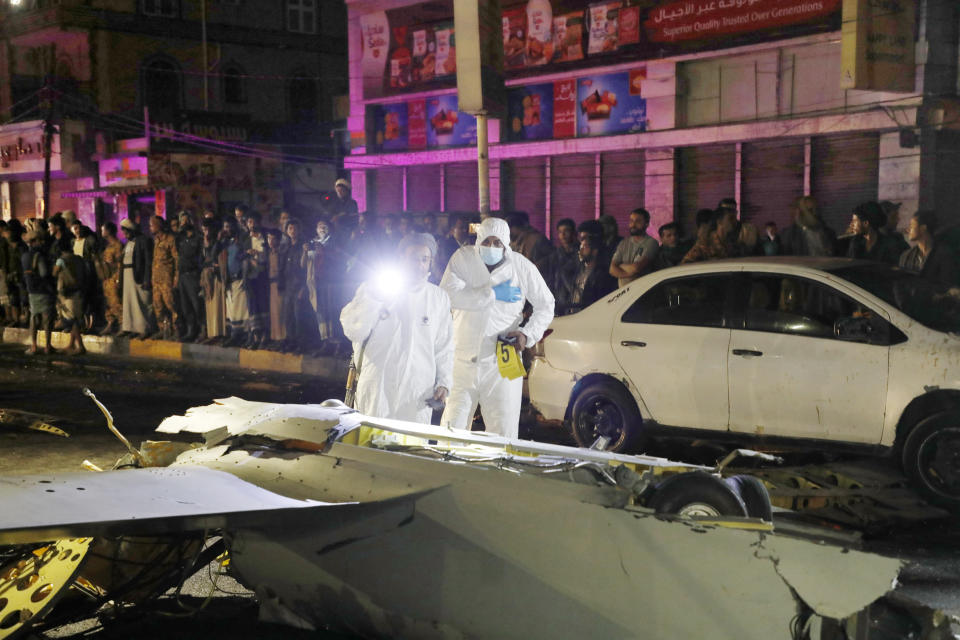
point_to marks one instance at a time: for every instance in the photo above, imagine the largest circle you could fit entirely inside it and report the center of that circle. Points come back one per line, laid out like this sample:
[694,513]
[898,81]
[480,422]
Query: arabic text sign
[877,49]
[121,172]
[702,19]
[417,124]
[611,103]
[565,108]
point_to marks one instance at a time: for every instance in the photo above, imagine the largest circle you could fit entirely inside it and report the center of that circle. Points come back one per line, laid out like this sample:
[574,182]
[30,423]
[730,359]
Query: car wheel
[696,494]
[754,494]
[605,409]
[931,458]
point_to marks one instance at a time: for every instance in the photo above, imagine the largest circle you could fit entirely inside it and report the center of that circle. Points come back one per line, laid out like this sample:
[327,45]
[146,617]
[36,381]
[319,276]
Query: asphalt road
[141,394]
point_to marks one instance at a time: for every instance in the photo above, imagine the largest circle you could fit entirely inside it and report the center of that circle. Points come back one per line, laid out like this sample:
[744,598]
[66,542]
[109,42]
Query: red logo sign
[564,109]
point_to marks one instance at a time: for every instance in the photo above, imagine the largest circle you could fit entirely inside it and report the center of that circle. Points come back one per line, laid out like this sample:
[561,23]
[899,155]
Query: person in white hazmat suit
[488,284]
[402,333]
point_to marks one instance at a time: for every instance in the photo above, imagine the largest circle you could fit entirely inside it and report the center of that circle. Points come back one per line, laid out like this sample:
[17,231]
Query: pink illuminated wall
[86,207]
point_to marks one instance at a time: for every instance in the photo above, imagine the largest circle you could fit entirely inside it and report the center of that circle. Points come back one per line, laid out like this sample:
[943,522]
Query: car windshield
[934,305]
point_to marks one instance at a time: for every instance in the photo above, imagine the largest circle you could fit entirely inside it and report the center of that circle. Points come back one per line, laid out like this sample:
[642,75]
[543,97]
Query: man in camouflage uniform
[163,276]
[110,262]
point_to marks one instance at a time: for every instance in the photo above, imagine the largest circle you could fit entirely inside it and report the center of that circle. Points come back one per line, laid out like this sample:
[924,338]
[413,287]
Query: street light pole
[483,164]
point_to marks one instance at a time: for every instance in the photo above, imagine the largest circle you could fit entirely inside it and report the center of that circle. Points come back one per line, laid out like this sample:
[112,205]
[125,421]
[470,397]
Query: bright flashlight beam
[389,281]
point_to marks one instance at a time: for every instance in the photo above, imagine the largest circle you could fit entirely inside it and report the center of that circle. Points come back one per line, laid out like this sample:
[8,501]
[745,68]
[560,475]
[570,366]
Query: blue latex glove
[505,293]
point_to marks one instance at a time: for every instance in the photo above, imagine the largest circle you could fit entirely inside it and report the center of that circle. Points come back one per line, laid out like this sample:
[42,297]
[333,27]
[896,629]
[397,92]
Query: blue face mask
[491,255]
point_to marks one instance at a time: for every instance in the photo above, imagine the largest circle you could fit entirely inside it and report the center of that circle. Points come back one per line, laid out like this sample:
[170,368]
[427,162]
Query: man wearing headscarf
[402,335]
[808,235]
[341,203]
[487,284]
[137,272]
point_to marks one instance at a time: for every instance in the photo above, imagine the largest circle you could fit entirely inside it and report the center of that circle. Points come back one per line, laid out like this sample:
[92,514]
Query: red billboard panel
[706,19]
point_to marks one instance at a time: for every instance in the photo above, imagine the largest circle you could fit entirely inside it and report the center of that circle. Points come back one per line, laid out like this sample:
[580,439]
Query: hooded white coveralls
[409,354]
[478,319]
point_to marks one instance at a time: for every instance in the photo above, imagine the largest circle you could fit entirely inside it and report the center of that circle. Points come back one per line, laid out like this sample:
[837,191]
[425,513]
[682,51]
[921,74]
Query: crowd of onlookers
[281,284]
[590,259]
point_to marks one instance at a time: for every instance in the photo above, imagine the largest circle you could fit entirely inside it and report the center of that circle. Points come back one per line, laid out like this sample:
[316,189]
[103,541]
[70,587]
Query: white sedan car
[810,350]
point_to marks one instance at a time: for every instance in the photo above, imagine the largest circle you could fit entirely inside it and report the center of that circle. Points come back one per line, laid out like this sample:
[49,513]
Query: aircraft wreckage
[426,532]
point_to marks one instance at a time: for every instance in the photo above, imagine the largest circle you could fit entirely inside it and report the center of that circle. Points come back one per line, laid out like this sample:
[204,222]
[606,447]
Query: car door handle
[747,352]
[632,343]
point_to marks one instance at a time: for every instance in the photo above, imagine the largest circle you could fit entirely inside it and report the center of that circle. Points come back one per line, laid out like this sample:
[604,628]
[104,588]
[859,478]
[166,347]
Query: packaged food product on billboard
[446,126]
[392,128]
[446,58]
[400,59]
[539,46]
[568,37]
[604,27]
[629,18]
[424,55]
[612,103]
[530,112]
[514,37]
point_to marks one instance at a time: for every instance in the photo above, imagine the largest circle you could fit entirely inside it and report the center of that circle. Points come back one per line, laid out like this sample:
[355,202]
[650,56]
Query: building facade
[671,106]
[216,94]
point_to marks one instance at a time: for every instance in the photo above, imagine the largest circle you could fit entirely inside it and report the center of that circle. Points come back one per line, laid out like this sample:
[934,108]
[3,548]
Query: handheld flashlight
[389,281]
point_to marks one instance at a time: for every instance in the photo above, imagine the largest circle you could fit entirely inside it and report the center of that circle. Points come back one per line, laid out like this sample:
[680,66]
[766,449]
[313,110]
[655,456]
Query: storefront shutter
[388,184]
[844,172]
[771,179]
[525,189]
[705,175]
[572,187]
[23,200]
[621,185]
[461,190]
[423,188]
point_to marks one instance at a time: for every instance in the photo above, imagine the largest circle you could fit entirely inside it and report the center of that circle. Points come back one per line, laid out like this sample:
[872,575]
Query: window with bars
[163,8]
[302,16]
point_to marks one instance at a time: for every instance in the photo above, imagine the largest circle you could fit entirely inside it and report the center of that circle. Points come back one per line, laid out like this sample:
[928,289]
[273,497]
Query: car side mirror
[853,329]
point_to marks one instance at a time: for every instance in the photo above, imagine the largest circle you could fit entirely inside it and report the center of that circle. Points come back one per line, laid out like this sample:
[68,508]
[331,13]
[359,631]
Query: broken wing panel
[136,501]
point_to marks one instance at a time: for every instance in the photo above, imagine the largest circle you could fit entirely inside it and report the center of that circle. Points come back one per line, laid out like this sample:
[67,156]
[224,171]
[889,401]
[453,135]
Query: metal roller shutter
[772,178]
[705,176]
[621,185]
[844,172]
[572,187]
[460,187]
[525,189]
[388,186]
[23,200]
[423,188]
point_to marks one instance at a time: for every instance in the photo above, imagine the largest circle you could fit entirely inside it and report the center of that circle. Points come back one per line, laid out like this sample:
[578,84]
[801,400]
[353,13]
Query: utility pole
[206,63]
[48,131]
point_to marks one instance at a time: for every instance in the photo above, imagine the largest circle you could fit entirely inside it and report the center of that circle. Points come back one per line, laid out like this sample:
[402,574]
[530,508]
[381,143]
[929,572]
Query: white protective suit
[478,319]
[409,353]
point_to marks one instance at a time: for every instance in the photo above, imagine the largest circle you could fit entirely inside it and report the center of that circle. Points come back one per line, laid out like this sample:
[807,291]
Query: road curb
[333,369]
